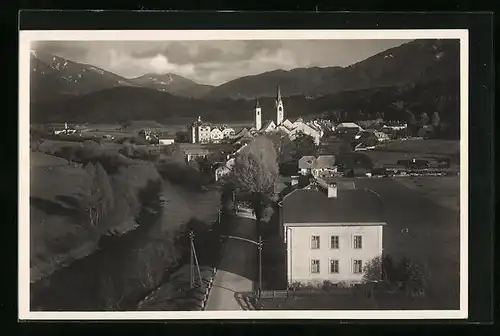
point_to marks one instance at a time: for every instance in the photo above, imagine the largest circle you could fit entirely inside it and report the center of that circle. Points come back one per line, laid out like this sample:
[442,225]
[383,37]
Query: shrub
[181,174]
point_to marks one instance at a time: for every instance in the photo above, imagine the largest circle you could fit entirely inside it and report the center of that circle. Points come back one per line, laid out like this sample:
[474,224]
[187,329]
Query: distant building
[166,140]
[227,132]
[348,127]
[330,235]
[324,166]
[203,132]
[67,130]
[306,164]
[216,135]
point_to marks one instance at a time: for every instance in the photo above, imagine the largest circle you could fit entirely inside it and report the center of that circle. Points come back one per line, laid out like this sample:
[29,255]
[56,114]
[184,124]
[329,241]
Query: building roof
[350,206]
[266,124]
[349,125]
[324,161]
[306,162]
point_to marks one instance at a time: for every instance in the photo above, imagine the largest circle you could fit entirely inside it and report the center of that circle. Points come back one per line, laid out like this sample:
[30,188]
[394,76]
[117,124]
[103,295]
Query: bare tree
[255,174]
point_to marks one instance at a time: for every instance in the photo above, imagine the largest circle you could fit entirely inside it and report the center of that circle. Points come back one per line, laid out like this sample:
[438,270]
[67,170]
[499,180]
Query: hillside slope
[416,61]
[52,77]
[173,84]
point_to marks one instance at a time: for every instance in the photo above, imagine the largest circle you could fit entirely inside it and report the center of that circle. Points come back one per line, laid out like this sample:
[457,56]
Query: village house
[330,235]
[227,132]
[305,164]
[203,132]
[324,166]
[165,140]
[216,135]
[224,168]
[67,130]
[348,127]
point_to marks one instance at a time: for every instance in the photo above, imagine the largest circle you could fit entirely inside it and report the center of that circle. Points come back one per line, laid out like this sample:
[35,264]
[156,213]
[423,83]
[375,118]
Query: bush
[182,174]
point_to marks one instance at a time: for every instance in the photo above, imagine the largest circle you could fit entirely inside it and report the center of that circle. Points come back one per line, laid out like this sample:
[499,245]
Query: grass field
[444,191]
[391,152]
[55,237]
[433,237]
[57,234]
[429,146]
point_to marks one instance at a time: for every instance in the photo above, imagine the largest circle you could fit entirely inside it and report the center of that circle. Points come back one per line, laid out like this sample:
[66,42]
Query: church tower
[279,108]
[258,116]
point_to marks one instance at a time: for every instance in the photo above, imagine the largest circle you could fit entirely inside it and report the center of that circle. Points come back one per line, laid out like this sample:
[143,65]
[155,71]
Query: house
[348,127]
[224,169]
[216,135]
[302,128]
[227,132]
[288,124]
[166,140]
[193,153]
[268,126]
[324,166]
[372,134]
[306,164]
[330,235]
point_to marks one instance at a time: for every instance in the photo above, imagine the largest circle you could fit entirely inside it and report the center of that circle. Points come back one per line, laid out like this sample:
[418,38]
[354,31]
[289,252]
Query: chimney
[294,180]
[332,190]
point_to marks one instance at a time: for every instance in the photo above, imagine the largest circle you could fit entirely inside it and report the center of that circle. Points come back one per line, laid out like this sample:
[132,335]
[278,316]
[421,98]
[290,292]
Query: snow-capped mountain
[52,76]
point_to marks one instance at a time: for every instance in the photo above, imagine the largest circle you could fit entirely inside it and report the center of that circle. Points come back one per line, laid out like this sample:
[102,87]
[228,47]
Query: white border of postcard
[25,37]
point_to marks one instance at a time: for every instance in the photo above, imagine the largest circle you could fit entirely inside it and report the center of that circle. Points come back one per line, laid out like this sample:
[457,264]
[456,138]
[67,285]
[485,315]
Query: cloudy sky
[214,62]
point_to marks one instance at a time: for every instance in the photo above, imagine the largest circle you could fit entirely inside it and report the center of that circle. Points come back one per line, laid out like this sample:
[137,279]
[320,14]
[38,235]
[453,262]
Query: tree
[255,174]
[436,120]
[304,145]
[282,145]
[424,119]
[372,270]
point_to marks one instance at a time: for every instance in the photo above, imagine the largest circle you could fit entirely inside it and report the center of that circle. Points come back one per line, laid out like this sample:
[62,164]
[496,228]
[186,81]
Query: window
[315,266]
[334,242]
[315,242]
[358,242]
[334,266]
[358,267]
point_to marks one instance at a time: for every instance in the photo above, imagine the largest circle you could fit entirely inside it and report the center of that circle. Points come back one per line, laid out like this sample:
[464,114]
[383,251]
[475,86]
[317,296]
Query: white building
[331,235]
[303,128]
[349,125]
[216,135]
[200,131]
[165,141]
[227,132]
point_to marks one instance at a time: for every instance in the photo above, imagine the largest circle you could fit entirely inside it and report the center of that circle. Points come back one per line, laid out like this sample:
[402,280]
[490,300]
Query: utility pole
[191,273]
[260,266]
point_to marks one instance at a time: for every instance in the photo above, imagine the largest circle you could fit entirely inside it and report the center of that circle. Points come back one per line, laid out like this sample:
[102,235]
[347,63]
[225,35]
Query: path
[237,271]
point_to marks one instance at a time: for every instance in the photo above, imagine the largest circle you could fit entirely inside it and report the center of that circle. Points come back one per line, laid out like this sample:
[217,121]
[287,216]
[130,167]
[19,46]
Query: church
[282,125]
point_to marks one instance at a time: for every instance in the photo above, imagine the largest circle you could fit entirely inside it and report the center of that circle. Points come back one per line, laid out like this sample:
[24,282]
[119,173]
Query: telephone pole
[194,261]
[260,266]
[191,273]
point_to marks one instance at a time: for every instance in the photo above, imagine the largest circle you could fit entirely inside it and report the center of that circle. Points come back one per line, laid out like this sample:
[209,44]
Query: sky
[214,62]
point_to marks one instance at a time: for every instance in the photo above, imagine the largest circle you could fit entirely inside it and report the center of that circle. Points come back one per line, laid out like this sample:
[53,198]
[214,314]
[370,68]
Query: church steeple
[279,107]
[258,115]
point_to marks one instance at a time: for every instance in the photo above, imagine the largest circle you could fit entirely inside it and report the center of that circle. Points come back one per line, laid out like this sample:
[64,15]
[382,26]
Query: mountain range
[66,90]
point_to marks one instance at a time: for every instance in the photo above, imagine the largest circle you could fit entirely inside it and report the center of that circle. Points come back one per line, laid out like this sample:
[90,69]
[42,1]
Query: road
[433,237]
[238,269]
